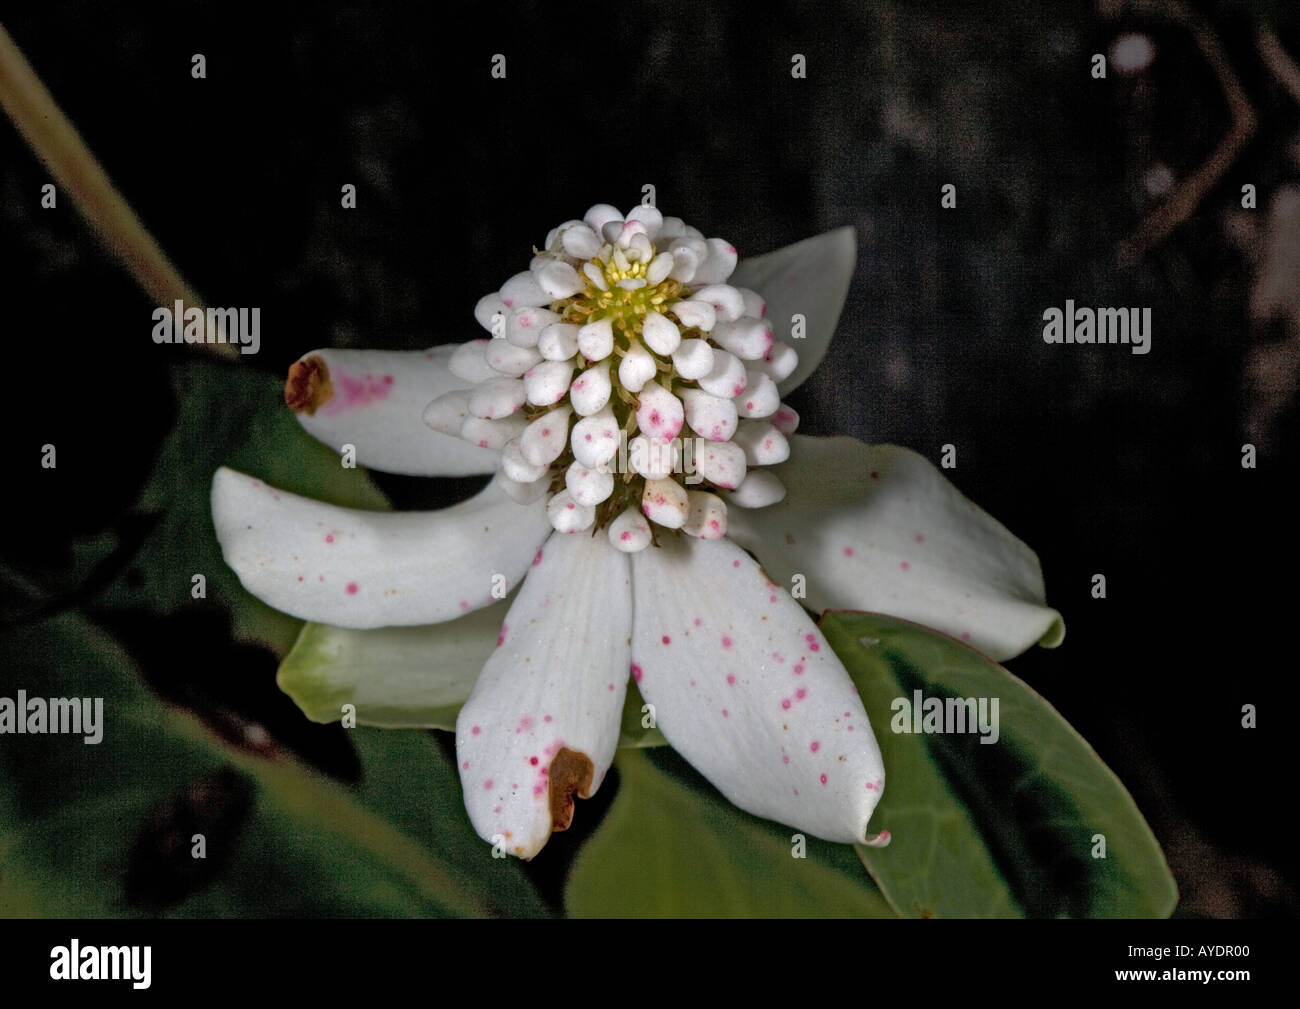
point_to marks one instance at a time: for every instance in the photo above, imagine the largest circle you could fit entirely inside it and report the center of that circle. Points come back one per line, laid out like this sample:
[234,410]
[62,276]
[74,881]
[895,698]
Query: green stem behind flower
[60,148]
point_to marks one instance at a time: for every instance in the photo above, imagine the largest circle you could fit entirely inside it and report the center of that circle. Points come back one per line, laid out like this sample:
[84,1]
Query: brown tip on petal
[570,772]
[308,386]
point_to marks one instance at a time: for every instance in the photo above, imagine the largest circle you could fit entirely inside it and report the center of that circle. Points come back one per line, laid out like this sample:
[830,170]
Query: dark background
[1101,460]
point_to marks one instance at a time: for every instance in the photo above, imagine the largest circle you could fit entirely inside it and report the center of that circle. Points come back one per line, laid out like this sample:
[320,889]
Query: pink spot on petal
[487,784]
[814,746]
[533,761]
[475,731]
[848,551]
[798,669]
[801,693]
[538,559]
[726,641]
[667,640]
[464,605]
[786,704]
[352,588]
[724,713]
[329,538]
[823,779]
[731,679]
[905,566]
[735,564]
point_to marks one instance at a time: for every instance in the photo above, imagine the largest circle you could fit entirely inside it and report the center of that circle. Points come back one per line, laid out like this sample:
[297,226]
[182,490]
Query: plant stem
[59,146]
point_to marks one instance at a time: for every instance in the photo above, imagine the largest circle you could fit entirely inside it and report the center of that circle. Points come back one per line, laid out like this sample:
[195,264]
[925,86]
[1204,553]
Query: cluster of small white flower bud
[628,380]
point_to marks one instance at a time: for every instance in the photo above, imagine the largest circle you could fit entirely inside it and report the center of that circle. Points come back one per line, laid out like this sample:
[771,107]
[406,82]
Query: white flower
[628,401]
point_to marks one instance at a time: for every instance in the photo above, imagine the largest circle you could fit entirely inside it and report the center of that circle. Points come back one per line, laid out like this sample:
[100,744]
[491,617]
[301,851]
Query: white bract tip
[580,241]
[759,489]
[601,214]
[496,398]
[559,341]
[727,302]
[785,420]
[709,416]
[653,460]
[636,368]
[596,340]
[524,328]
[779,362]
[763,444]
[748,338]
[661,334]
[558,279]
[595,439]
[516,467]
[685,260]
[664,503]
[660,413]
[547,383]
[693,359]
[659,268]
[523,291]
[491,434]
[754,303]
[590,391]
[760,398]
[696,314]
[448,412]
[630,532]
[588,486]
[727,377]
[721,463]
[708,516]
[567,516]
[649,217]
[506,359]
[596,275]
[491,306]
[469,364]
[718,264]
[524,493]
[544,439]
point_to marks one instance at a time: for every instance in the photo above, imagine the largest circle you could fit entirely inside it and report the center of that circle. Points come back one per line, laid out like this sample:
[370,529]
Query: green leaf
[228,416]
[992,830]
[397,677]
[108,829]
[404,677]
[666,849]
[633,732]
